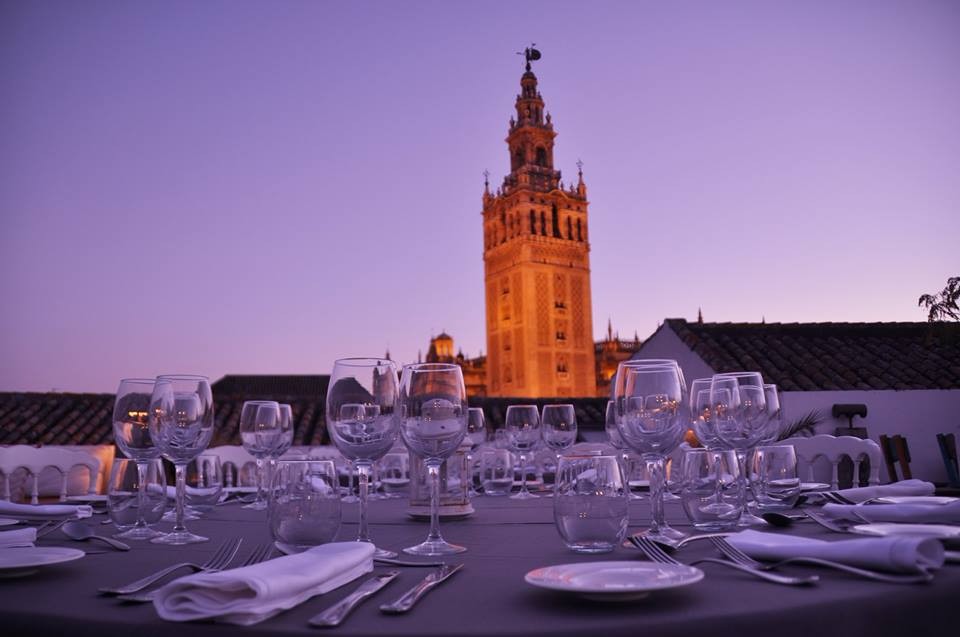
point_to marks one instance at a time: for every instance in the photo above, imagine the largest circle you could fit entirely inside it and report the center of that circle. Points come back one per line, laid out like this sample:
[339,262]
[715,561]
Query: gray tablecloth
[506,539]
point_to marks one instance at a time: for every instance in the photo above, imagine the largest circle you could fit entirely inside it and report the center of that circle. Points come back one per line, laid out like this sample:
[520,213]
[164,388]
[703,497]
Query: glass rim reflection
[364,361]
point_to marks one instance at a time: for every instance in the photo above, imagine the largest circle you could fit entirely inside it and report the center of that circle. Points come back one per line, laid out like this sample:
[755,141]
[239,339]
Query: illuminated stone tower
[536,259]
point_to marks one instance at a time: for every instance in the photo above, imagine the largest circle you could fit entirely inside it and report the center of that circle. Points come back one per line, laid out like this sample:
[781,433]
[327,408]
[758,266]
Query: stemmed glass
[774,428]
[616,441]
[522,425]
[261,433]
[433,410]
[652,423]
[559,428]
[700,418]
[181,425]
[740,411]
[131,431]
[361,420]
[477,435]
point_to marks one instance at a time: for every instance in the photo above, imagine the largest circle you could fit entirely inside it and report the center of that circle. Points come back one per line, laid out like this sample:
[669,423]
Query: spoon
[780,519]
[79,531]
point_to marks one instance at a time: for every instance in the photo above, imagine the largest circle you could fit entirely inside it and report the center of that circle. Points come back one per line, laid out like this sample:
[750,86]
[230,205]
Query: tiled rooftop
[831,356]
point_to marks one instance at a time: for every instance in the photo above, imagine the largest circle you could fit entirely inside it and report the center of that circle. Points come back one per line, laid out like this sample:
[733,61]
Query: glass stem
[433,470]
[523,473]
[742,464]
[260,490]
[181,473]
[141,494]
[363,475]
[656,475]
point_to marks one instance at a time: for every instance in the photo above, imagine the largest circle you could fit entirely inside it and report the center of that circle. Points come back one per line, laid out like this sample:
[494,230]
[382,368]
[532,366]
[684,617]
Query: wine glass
[774,414]
[131,431]
[652,423]
[477,435]
[260,432]
[522,425]
[740,411]
[623,451]
[361,420]
[433,410]
[700,409]
[558,424]
[181,425]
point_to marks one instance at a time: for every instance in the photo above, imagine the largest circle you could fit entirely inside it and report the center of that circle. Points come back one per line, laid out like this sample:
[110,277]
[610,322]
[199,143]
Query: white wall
[666,344]
[918,415]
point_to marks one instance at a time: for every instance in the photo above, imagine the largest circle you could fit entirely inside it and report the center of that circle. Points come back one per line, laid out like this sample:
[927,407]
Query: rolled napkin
[44,511]
[904,487]
[17,539]
[910,513]
[251,594]
[898,554]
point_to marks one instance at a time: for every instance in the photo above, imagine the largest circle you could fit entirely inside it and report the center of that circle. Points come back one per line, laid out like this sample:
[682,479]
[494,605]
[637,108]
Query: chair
[236,456]
[35,459]
[835,448]
[948,450]
[896,451]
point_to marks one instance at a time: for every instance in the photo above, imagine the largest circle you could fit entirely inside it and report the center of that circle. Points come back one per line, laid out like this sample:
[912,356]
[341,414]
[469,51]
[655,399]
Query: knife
[408,599]
[339,611]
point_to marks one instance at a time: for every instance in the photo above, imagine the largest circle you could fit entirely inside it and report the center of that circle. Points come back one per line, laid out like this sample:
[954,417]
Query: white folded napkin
[251,594]
[905,554]
[18,538]
[910,513]
[904,487]
[44,511]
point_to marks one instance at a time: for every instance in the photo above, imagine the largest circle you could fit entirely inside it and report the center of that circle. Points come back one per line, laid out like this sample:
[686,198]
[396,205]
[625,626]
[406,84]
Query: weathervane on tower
[530,54]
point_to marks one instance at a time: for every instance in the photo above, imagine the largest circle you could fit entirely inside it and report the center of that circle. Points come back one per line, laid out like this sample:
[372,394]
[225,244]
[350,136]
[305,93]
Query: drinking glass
[559,426]
[774,414]
[739,409]
[700,410]
[496,471]
[362,422]
[131,432]
[590,502]
[522,425]
[304,508]
[261,433]
[477,435]
[777,484]
[204,482]
[395,473]
[181,425]
[136,494]
[652,423]
[433,408]
[710,487]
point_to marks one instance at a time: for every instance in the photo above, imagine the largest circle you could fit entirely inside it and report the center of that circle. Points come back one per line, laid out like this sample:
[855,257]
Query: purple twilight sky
[262,187]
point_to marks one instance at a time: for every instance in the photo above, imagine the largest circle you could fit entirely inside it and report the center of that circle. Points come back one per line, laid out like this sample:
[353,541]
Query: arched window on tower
[518,159]
[541,157]
[543,223]
[555,219]
[569,229]
[533,222]
[579,231]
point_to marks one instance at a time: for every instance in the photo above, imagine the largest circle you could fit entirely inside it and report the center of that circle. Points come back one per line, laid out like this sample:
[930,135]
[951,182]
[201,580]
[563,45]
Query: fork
[257,555]
[217,562]
[743,559]
[655,554]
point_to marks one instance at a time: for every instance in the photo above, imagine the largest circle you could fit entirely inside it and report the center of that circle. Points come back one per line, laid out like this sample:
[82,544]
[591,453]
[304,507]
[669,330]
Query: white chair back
[833,449]
[35,459]
[234,455]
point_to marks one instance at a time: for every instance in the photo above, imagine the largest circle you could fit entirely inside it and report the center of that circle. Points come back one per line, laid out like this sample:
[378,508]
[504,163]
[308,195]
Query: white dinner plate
[23,561]
[914,499]
[941,531]
[813,486]
[88,498]
[613,581]
[8,522]
[239,489]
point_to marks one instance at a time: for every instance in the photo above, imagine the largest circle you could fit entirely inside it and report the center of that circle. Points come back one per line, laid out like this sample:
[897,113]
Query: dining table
[505,539]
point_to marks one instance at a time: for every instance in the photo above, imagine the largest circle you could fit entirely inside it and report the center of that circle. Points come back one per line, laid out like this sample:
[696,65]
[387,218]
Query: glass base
[188,514]
[749,519]
[524,495]
[435,547]
[669,497]
[350,499]
[384,554]
[256,505]
[179,537]
[666,534]
[138,533]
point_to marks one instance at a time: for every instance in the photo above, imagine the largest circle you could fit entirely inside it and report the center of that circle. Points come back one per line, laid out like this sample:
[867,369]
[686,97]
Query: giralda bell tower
[536,258]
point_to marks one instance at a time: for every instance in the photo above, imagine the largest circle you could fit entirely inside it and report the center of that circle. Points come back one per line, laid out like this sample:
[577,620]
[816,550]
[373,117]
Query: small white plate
[8,522]
[914,499]
[23,561]
[88,498]
[813,486]
[941,531]
[613,581]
